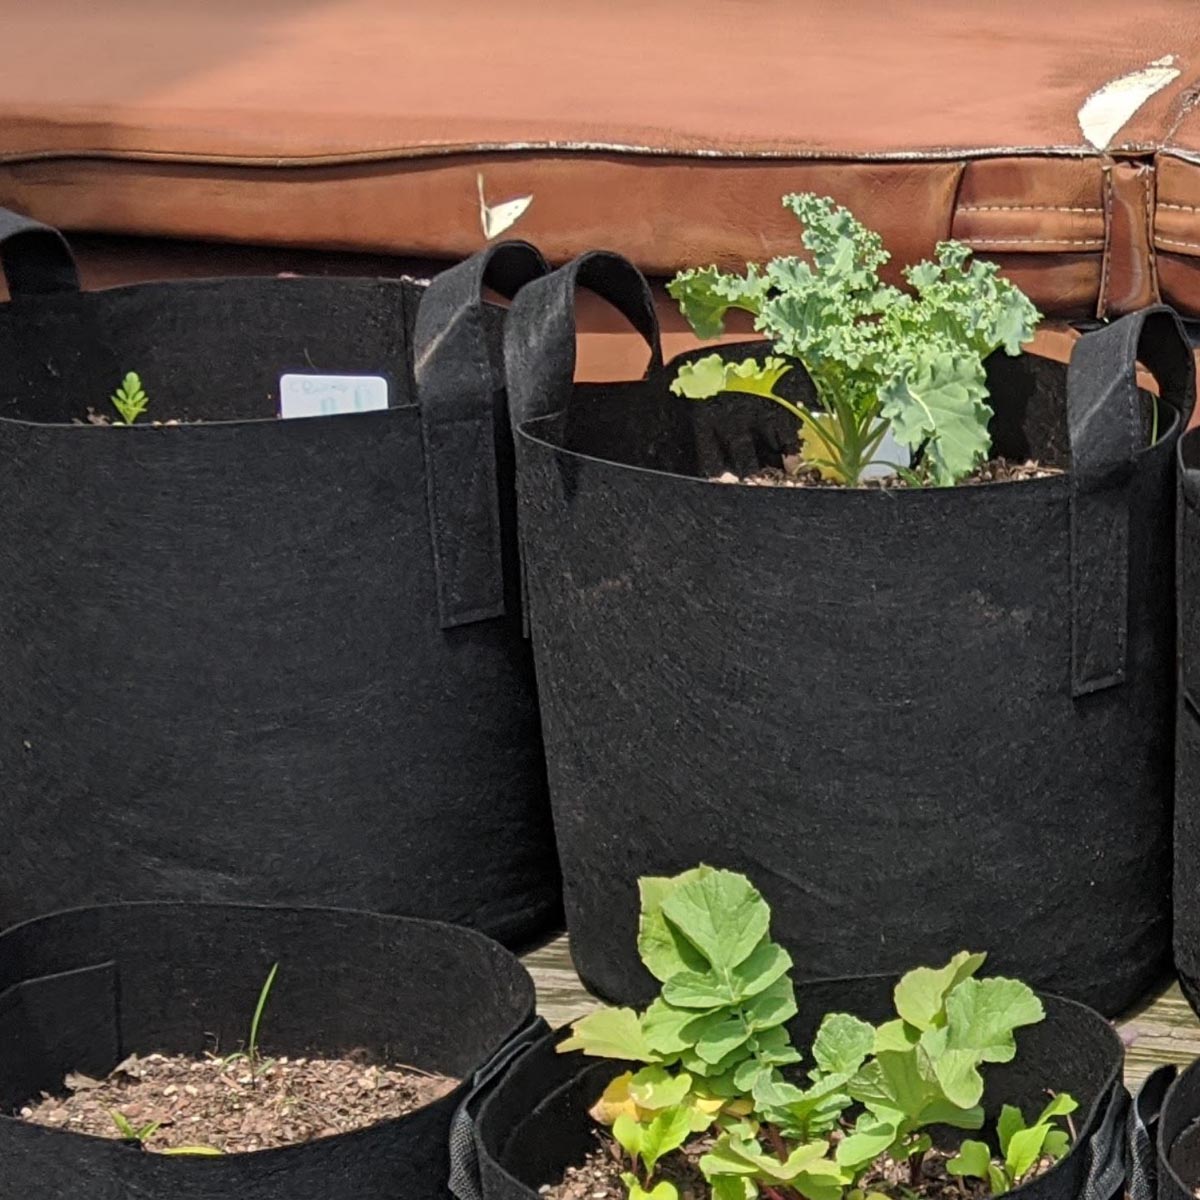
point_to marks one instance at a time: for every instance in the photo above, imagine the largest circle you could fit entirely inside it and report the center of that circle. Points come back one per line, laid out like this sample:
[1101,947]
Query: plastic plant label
[330,395]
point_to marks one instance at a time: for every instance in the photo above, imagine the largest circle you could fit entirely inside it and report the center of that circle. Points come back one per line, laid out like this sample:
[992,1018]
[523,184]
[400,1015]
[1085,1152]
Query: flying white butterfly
[496,218]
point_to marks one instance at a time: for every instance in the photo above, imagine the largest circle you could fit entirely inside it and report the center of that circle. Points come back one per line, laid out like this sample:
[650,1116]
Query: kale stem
[777,1143]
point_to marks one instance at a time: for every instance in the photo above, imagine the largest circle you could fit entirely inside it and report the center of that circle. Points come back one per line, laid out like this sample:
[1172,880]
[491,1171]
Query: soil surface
[794,474]
[223,1105]
[100,418]
[598,1177]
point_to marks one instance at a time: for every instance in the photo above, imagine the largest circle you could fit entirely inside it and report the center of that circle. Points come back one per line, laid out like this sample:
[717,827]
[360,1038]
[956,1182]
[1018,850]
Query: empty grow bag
[81,991]
[535,1121]
[258,659]
[922,718]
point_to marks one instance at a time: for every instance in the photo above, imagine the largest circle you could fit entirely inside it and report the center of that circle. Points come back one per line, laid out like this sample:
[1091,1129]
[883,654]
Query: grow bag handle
[36,258]
[457,386]
[1105,429]
[1143,1133]
[465,1182]
[539,338]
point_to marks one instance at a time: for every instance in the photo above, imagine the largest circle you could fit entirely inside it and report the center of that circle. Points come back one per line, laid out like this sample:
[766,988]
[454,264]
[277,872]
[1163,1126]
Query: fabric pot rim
[1086,1128]
[532,431]
[1183,1079]
[165,289]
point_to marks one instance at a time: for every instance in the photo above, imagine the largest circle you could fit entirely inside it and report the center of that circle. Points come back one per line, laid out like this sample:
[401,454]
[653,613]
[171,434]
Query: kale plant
[879,358]
[718,1060]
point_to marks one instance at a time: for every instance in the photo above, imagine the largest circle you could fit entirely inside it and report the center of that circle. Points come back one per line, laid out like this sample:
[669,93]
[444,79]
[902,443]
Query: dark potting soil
[598,1177]
[795,474]
[222,1104]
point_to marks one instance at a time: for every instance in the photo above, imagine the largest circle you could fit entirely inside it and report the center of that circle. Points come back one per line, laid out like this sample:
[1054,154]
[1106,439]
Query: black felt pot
[923,719]
[81,990]
[535,1122]
[254,659]
[1167,1163]
[1187,745]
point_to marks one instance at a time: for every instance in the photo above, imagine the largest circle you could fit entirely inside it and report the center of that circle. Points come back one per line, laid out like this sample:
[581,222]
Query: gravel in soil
[794,474]
[598,1177]
[221,1104]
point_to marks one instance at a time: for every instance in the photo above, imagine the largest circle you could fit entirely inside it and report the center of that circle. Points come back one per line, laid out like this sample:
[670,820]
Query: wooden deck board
[1164,1031]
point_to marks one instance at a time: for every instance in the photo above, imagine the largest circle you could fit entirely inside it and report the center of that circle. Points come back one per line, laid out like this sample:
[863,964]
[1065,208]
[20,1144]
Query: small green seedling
[880,359]
[251,1055]
[1021,1146]
[130,1132]
[712,1048]
[130,399]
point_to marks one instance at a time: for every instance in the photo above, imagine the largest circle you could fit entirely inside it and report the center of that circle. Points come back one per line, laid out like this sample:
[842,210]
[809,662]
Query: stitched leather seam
[1106,261]
[1148,213]
[1179,207]
[1026,208]
[1094,243]
[1165,241]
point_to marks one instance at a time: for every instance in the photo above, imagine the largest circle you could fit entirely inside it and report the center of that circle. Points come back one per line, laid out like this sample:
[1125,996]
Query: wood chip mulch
[794,474]
[222,1105]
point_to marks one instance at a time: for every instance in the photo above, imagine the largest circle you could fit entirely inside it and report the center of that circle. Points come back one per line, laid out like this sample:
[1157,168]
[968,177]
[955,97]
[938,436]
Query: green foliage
[131,1132]
[1021,1146]
[716,1058]
[130,400]
[251,1054]
[878,357]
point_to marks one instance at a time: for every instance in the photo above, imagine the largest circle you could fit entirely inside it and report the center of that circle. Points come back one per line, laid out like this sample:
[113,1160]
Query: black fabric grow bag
[535,1121]
[1187,730]
[1176,1174]
[81,990]
[920,719]
[254,659]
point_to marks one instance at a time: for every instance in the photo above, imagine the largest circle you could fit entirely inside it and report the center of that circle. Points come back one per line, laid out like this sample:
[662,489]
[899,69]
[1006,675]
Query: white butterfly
[496,218]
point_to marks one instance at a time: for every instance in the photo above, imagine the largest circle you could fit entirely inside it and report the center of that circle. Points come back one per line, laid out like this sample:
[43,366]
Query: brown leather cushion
[666,130]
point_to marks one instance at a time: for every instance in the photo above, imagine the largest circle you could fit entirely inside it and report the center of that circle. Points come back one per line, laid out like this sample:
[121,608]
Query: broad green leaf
[771,1007]
[666,1132]
[719,1036]
[998,1180]
[1060,1106]
[920,996]
[1009,1122]
[610,1033]
[842,1042]
[1057,1143]
[774,1046]
[1024,1149]
[732,1187]
[871,1137]
[766,964]
[721,914]
[941,1111]
[982,1015]
[662,948]
[973,1159]
[895,1035]
[656,1088]
[665,1028]
[704,378]
[663,1190]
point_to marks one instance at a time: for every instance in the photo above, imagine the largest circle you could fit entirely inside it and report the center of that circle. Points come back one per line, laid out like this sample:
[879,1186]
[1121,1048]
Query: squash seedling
[881,359]
[718,1062]
[130,399]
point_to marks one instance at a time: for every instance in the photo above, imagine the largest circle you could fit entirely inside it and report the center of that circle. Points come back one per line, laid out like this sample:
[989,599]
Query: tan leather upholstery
[666,130]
